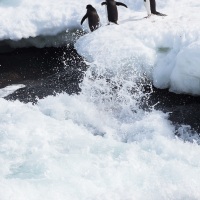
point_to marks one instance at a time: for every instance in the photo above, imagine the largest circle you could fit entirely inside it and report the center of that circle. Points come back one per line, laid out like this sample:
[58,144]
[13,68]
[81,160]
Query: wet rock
[183,109]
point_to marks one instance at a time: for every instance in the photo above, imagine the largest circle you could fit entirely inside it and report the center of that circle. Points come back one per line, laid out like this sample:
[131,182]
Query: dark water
[45,71]
[48,71]
[182,109]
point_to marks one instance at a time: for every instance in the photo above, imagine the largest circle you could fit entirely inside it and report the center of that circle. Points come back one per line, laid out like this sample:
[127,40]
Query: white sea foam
[100,144]
[50,151]
[10,89]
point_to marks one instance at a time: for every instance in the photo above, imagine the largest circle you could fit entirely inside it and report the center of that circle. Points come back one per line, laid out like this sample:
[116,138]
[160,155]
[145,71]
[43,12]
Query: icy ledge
[24,19]
[186,74]
[64,38]
[165,50]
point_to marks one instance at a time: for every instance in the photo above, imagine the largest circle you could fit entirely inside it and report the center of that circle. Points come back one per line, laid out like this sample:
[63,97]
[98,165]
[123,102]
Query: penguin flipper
[121,4]
[84,18]
[103,3]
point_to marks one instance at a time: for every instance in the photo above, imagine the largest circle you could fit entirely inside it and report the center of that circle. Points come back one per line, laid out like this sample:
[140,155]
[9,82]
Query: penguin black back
[112,10]
[93,18]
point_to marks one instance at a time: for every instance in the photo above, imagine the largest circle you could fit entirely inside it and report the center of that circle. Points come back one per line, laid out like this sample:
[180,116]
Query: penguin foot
[158,13]
[112,23]
[148,16]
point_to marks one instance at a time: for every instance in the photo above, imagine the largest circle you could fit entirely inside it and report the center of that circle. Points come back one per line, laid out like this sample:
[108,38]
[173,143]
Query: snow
[25,18]
[186,74]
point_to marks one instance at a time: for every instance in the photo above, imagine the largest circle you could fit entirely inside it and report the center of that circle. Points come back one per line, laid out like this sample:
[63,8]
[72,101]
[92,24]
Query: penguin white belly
[107,13]
[147,6]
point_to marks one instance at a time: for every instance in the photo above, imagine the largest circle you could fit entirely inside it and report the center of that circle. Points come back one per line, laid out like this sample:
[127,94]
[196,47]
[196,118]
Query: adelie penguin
[93,18]
[112,10]
[150,6]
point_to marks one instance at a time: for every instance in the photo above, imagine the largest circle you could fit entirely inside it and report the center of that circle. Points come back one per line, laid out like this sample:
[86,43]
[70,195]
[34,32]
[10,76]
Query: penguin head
[89,7]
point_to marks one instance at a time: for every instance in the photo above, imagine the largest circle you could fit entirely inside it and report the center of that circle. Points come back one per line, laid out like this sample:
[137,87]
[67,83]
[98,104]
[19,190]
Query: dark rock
[183,109]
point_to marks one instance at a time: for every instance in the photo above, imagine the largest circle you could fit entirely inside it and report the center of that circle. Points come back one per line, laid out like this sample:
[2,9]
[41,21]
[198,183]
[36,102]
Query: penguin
[112,10]
[93,18]
[152,5]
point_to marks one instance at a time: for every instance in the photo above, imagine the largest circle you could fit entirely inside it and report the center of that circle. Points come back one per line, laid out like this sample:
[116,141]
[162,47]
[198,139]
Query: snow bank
[26,18]
[156,47]
[186,73]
